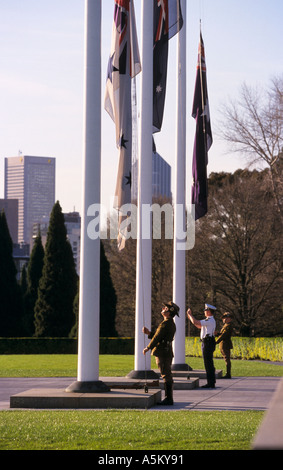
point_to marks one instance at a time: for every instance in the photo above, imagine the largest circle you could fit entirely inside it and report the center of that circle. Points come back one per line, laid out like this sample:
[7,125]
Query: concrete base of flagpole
[96,386]
[180,367]
[142,374]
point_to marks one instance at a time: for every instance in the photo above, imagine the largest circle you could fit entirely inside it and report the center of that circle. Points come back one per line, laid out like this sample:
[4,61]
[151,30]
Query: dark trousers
[208,347]
[226,353]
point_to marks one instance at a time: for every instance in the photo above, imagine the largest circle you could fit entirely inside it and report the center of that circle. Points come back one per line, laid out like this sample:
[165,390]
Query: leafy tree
[10,291]
[108,300]
[253,125]
[123,273]
[237,259]
[58,285]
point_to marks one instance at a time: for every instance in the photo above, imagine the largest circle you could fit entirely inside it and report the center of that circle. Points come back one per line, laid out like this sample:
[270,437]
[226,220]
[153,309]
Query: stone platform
[195,373]
[123,393]
[180,383]
[60,399]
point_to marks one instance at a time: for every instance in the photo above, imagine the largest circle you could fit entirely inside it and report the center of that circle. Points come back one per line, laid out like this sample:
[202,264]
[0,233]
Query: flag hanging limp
[167,21]
[124,63]
[203,136]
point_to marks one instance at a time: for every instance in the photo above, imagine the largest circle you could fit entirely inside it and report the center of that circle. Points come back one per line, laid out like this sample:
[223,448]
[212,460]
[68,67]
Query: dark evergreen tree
[23,283]
[34,273]
[74,331]
[108,297]
[10,291]
[54,314]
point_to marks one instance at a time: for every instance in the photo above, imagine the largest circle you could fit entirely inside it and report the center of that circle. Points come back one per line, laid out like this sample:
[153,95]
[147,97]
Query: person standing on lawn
[161,347]
[207,327]
[225,342]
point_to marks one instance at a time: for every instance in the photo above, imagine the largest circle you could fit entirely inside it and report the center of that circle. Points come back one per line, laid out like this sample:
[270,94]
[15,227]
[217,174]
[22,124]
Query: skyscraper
[31,180]
[161,178]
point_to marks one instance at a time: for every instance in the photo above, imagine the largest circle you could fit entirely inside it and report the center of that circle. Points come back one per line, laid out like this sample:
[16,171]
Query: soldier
[161,347]
[207,338]
[225,342]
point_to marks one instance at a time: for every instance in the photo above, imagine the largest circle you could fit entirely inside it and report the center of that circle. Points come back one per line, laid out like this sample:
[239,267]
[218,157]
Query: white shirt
[207,327]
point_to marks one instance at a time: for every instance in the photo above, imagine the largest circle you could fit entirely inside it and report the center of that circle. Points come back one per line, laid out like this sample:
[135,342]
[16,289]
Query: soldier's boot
[168,400]
[228,373]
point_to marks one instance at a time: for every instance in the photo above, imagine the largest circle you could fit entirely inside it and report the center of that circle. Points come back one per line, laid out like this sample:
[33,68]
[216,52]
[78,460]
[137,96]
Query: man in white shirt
[207,327]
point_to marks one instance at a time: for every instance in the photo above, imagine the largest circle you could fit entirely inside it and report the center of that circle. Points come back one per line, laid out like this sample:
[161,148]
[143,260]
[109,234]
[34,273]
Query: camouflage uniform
[225,346]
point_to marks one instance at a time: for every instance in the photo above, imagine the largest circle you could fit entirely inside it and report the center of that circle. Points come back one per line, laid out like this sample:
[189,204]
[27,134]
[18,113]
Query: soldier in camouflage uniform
[161,347]
[225,342]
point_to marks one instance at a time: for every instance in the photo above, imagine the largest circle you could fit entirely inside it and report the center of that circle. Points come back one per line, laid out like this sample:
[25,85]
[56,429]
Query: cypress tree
[23,283]
[34,273]
[10,291]
[108,297]
[54,315]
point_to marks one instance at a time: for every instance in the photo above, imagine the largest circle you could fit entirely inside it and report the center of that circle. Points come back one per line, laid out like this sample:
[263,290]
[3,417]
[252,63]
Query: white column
[89,307]
[179,264]
[144,246]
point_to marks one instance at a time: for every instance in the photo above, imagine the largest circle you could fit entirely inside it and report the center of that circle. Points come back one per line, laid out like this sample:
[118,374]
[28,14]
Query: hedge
[62,346]
[266,349]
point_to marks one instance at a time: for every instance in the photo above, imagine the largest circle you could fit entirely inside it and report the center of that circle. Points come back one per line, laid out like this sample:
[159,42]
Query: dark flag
[167,21]
[203,137]
[124,63]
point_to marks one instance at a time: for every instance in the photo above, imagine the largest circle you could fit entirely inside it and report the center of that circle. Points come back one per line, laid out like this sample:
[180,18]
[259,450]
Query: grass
[124,429]
[127,430]
[65,365]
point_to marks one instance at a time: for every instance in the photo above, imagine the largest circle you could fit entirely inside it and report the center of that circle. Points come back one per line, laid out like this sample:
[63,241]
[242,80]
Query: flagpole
[144,245]
[179,260]
[89,308]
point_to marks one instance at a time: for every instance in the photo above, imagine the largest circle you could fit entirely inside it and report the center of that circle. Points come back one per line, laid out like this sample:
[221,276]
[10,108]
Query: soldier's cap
[227,315]
[172,307]
[209,307]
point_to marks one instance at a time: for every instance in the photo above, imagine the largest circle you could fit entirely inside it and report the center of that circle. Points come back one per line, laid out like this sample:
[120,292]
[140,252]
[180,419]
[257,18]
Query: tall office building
[161,178]
[31,180]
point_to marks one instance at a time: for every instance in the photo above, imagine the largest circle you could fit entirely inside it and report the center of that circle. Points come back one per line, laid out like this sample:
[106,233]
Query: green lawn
[65,365]
[124,429]
[127,430]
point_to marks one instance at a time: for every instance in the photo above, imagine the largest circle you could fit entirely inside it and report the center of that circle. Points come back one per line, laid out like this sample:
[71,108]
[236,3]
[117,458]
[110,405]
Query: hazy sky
[41,80]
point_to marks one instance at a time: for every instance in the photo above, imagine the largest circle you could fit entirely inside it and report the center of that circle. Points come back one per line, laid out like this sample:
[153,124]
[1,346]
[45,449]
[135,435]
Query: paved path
[239,393]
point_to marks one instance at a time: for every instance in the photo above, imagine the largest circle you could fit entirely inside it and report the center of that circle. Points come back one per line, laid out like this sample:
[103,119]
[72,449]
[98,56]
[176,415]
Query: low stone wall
[270,433]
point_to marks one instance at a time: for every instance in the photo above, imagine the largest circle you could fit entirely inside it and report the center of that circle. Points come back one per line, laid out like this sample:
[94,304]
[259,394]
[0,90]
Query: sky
[42,77]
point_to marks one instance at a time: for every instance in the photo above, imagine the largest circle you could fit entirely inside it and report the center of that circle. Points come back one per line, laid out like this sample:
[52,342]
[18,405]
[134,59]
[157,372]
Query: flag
[123,65]
[203,136]
[167,21]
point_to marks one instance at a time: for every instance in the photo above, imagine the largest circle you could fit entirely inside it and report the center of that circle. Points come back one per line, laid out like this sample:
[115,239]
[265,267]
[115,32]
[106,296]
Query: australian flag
[123,65]
[203,137]
[167,21]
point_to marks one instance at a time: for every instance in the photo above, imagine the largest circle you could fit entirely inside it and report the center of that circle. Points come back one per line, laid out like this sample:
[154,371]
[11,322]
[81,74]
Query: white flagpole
[89,308]
[144,246]
[179,265]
